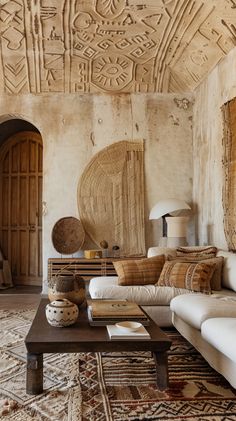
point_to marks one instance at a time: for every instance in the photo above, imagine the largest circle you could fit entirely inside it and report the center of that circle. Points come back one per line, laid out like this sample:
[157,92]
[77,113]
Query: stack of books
[109,312]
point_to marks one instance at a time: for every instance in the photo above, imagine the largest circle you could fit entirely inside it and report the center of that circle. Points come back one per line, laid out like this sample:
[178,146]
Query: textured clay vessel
[71,287]
[61,313]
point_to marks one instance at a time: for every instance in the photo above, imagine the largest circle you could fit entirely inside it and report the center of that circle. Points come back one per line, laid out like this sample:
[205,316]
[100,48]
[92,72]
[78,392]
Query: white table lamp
[174,228]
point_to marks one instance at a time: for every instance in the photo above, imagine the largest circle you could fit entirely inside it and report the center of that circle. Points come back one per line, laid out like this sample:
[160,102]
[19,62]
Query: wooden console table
[87,268]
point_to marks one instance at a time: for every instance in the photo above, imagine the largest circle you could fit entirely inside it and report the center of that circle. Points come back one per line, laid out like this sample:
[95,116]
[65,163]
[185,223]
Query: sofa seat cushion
[196,308]
[106,287]
[220,332]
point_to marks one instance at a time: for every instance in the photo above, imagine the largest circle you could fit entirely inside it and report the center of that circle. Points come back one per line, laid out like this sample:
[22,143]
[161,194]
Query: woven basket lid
[68,235]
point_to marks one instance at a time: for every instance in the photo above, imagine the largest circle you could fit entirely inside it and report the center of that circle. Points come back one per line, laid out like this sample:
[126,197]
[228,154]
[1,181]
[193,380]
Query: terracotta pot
[61,313]
[71,287]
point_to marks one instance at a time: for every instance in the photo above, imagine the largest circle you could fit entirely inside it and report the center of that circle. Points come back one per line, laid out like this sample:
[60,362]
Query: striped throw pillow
[187,275]
[216,278]
[207,251]
[139,272]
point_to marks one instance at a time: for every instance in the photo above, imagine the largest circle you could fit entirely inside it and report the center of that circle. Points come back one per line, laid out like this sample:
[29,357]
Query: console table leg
[161,361]
[34,375]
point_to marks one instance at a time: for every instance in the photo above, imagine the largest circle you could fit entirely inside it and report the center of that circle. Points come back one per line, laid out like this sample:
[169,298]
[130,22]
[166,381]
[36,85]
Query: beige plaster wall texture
[216,90]
[85,74]
[74,127]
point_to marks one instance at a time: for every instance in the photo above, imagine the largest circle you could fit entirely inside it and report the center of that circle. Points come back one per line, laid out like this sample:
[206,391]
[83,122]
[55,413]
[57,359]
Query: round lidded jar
[61,313]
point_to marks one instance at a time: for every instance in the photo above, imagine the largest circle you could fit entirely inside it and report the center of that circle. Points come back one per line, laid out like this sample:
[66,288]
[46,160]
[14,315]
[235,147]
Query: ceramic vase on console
[61,313]
[71,287]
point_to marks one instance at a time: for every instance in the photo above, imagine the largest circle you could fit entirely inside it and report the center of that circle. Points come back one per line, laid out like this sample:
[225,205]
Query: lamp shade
[166,206]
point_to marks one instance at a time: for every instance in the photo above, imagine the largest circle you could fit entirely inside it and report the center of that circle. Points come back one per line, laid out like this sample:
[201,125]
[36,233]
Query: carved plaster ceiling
[112,46]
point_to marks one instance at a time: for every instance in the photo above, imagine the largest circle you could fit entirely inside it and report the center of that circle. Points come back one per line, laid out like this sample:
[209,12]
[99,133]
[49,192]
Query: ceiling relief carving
[112,45]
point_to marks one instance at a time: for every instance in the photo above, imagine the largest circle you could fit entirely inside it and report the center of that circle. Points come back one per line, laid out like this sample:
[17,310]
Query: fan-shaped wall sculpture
[229,164]
[111,197]
[68,235]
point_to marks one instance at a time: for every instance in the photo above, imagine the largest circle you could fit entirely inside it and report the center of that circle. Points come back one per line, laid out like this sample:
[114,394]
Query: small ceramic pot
[61,313]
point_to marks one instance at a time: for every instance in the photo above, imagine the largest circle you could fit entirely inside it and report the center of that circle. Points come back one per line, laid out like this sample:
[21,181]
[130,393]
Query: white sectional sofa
[208,322]
[155,300]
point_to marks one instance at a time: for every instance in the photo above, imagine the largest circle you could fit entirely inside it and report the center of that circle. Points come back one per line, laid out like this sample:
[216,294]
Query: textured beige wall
[217,89]
[74,127]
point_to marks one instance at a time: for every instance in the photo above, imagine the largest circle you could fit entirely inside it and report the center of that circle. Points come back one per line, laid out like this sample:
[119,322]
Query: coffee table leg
[161,361]
[34,375]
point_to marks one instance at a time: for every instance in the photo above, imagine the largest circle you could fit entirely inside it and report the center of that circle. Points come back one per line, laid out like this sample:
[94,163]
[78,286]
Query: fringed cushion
[188,275]
[216,278]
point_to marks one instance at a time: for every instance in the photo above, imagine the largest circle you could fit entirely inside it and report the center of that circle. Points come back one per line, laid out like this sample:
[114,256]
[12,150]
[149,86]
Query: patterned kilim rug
[108,387]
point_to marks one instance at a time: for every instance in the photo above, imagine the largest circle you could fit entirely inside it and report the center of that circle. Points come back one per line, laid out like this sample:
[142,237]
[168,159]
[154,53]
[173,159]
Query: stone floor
[18,301]
[22,289]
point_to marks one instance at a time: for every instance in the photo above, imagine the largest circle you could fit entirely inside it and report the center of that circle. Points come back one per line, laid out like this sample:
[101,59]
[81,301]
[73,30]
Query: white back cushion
[156,251]
[229,269]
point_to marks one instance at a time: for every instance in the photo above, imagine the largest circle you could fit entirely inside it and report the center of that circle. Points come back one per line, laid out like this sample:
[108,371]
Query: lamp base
[177,226]
[163,242]
[176,242]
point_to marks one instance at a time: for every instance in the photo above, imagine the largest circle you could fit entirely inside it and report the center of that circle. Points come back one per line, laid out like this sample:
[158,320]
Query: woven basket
[68,235]
[71,287]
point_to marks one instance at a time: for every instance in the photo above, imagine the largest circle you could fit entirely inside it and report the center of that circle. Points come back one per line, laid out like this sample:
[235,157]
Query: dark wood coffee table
[81,337]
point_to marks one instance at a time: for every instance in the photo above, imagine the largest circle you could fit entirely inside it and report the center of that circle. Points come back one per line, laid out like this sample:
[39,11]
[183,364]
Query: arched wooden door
[21,166]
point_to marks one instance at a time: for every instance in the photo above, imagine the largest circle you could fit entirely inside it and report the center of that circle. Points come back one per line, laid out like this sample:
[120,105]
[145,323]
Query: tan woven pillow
[215,280]
[207,251]
[139,272]
[187,275]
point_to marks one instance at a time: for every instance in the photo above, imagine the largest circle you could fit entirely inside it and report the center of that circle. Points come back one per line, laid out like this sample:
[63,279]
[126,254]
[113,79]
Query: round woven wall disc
[68,235]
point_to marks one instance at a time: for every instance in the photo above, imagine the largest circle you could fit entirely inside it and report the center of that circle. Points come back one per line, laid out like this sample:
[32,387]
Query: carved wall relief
[13,48]
[229,164]
[111,197]
[112,45]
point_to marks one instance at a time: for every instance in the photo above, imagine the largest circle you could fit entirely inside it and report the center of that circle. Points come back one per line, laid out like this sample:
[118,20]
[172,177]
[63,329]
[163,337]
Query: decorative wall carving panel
[229,164]
[112,45]
[111,197]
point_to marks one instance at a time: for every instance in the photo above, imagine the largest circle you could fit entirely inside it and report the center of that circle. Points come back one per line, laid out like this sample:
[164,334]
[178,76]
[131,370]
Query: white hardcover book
[116,333]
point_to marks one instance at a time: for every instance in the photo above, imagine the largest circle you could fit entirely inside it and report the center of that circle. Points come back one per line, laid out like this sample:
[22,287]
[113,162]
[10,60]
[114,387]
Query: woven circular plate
[68,235]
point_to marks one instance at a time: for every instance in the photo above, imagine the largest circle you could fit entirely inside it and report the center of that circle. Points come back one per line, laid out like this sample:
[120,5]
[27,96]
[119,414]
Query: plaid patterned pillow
[139,272]
[187,275]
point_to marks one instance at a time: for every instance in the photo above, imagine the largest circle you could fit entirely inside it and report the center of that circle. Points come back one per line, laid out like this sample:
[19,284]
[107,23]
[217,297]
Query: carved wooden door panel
[229,180]
[21,206]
